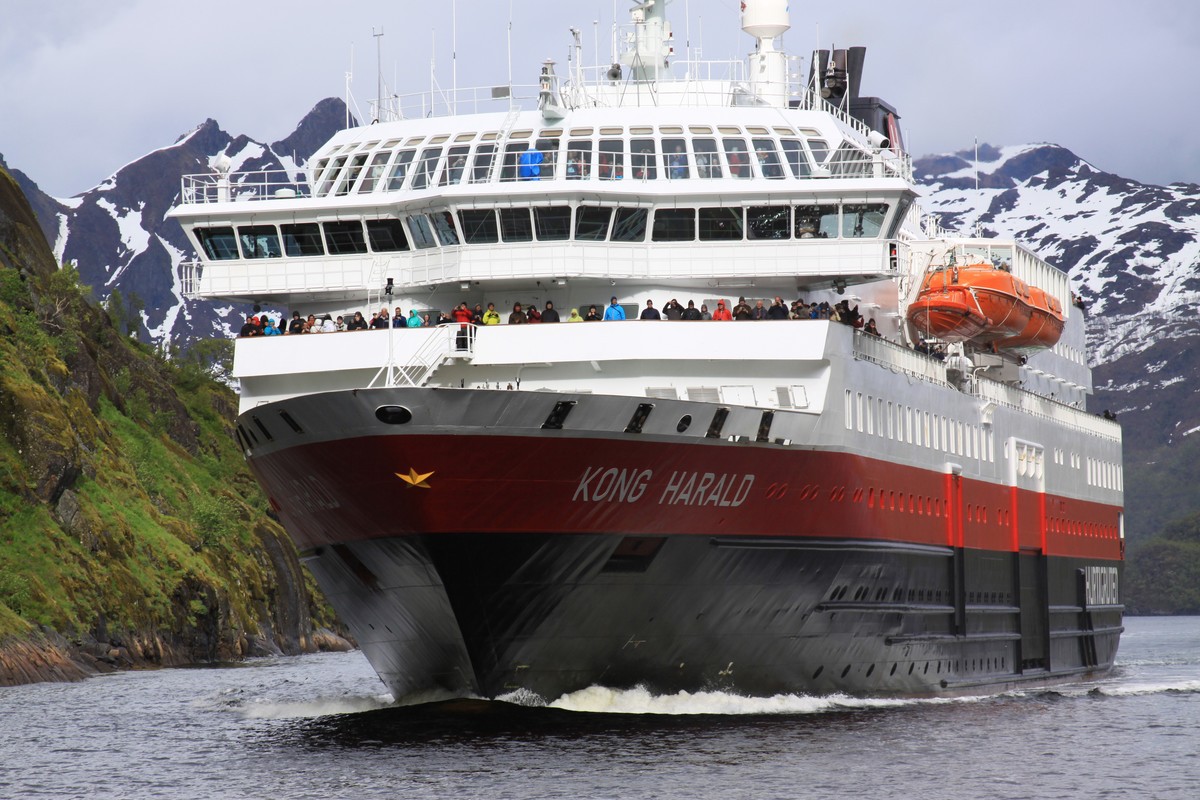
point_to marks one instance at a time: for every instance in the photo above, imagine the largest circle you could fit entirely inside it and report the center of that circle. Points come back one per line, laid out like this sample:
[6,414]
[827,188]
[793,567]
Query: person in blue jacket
[614,311]
[531,164]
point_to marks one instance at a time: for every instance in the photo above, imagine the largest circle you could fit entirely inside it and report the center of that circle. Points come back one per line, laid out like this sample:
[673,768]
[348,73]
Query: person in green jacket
[491,316]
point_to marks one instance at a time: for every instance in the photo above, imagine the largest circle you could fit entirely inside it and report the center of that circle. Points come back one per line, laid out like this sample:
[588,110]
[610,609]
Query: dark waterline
[320,727]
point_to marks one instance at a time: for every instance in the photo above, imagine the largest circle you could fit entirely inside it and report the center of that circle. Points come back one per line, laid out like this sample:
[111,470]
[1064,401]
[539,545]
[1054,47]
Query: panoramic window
[643,159]
[422,234]
[797,158]
[515,225]
[479,226]
[259,241]
[330,174]
[820,150]
[708,163]
[375,172]
[579,159]
[548,148]
[400,170]
[674,225]
[611,162]
[630,225]
[423,174]
[456,166]
[386,235]
[817,222]
[863,220]
[443,224]
[219,244]
[720,224]
[514,152]
[769,222]
[768,158]
[302,239]
[553,223]
[591,223]
[675,154]
[345,238]
[482,166]
[738,157]
[352,173]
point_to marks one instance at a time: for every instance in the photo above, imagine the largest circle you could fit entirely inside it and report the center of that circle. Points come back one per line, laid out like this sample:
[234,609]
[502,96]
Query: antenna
[378,73]
[510,83]
[349,80]
[454,56]
[977,163]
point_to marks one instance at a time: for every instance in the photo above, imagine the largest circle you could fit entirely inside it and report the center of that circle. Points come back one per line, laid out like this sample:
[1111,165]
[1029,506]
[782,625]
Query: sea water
[323,726]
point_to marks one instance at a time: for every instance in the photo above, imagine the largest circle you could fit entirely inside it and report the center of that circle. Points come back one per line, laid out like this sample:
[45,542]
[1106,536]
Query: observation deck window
[351,174]
[456,166]
[443,225]
[797,158]
[738,157]
[720,224]
[345,238]
[674,225]
[479,226]
[375,172]
[329,175]
[219,244]
[549,151]
[769,222]
[426,167]
[675,151]
[820,150]
[708,163]
[400,170]
[768,159]
[817,222]
[512,154]
[863,220]
[850,162]
[481,168]
[386,236]
[898,219]
[579,159]
[591,223]
[630,225]
[611,165]
[422,234]
[302,239]
[515,225]
[643,159]
[259,241]
[553,223]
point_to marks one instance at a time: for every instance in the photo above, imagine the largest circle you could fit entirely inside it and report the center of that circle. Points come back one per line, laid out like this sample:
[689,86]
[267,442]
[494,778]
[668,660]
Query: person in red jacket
[464,317]
[722,314]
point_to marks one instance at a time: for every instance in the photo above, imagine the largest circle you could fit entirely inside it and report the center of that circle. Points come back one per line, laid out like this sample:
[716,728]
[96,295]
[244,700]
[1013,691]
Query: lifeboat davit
[982,304]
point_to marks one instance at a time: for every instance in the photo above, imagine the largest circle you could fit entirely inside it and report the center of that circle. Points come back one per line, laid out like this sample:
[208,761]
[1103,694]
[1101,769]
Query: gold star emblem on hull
[414,479]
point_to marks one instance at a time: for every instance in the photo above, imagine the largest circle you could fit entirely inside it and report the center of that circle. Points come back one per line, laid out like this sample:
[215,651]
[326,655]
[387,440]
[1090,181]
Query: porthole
[685,422]
[393,415]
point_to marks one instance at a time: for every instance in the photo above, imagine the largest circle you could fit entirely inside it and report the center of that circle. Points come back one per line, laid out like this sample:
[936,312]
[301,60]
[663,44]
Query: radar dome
[765,19]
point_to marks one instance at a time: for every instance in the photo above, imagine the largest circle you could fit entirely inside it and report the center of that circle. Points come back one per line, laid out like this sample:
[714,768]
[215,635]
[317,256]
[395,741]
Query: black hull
[490,614]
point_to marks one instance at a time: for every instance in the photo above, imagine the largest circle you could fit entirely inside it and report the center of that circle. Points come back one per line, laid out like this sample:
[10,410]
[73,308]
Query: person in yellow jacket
[491,316]
[574,316]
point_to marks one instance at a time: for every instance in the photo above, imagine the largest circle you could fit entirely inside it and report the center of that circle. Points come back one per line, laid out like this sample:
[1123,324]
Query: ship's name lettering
[729,490]
[612,485]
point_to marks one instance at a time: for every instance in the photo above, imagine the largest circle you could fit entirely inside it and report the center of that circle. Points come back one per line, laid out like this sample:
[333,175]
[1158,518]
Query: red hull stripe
[385,486]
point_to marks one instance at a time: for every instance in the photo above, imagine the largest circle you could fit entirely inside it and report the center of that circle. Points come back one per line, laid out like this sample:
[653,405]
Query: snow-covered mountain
[1132,251]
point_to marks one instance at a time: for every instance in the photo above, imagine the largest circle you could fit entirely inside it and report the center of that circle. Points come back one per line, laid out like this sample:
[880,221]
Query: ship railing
[267,184]
[1033,404]
[449,102]
[200,280]
[899,359]
[453,340]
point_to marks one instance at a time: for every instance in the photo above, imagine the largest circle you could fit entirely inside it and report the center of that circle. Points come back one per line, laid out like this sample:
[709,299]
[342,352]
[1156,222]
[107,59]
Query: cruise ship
[889,487]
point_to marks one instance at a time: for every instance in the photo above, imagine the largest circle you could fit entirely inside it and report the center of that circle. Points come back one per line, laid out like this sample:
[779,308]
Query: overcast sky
[88,86]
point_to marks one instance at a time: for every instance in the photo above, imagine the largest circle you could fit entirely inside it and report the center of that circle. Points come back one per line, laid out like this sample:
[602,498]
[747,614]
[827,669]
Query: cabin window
[708,163]
[512,154]
[674,225]
[352,173]
[549,150]
[611,165]
[345,238]
[675,153]
[797,158]
[515,225]
[769,222]
[482,166]
[643,159]
[302,239]
[553,223]
[375,172]
[820,150]
[400,170]
[422,234]
[630,225]
[720,224]
[443,224]
[863,220]
[768,159]
[219,244]
[386,235]
[898,220]
[591,223]
[479,227]
[738,157]
[329,175]
[456,166]
[817,222]
[579,159]
[259,241]
[319,171]
[426,167]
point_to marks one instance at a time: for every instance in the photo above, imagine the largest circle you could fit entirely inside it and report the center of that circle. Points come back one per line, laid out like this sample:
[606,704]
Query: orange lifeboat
[983,304]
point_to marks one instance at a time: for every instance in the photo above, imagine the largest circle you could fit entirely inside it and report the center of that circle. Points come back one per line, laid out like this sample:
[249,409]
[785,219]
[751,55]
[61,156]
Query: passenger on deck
[491,316]
[477,314]
[650,312]
[268,328]
[327,325]
[870,328]
[593,315]
[414,319]
[691,313]
[398,318]
[297,324]
[614,312]
[574,316]
[722,314]
[340,324]
[381,320]
[251,328]
[310,324]
[358,323]
[777,310]
[705,314]
[760,311]
[742,311]
[517,317]
[532,315]
[673,310]
[550,314]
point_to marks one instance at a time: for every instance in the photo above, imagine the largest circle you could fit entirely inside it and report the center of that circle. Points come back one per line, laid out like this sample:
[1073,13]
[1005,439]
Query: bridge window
[769,222]
[675,153]
[817,222]
[509,163]
[345,238]
[720,224]
[443,224]
[591,223]
[820,150]
[643,159]
[863,220]
[259,241]
[768,159]
[400,170]
[351,175]
[375,172]
[579,159]
[456,166]
[515,225]
[328,176]
[738,157]
[674,225]
[219,244]
[302,239]
[708,163]
[797,158]
[553,223]
[482,166]
[630,225]
[426,167]
[479,226]
[549,150]
[386,235]
[611,164]
[422,234]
